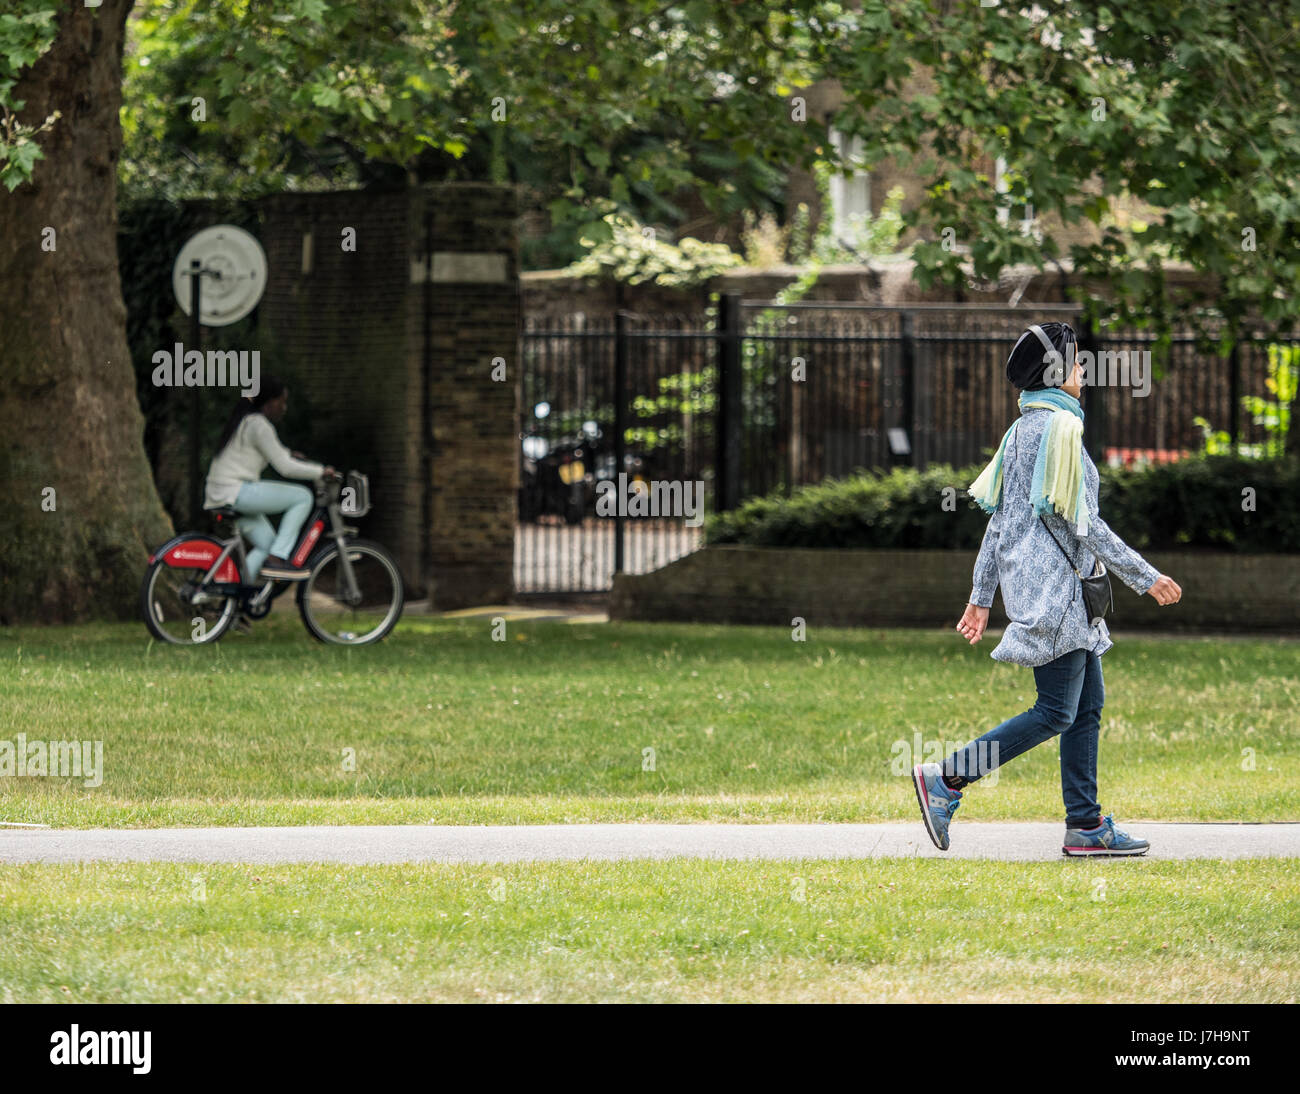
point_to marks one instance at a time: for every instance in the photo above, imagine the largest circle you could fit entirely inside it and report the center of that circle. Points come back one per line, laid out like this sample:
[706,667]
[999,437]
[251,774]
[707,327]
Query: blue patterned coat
[1040,592]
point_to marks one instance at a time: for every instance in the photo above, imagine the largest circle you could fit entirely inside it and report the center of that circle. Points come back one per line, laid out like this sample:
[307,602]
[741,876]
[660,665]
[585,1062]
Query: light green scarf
[1058,469]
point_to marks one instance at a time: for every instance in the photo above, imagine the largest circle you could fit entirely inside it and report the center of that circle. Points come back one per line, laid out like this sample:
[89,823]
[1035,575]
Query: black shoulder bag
[1098,598]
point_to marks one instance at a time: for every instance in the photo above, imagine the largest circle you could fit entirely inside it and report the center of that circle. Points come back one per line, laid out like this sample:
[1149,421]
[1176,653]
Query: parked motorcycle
[553,479]
[562,477]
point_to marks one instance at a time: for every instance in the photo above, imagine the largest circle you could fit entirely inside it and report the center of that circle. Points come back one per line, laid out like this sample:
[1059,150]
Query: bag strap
[1062,549]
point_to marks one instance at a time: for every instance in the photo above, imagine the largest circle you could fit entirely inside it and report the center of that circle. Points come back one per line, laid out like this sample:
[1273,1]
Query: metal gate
[698,412]
[615,448]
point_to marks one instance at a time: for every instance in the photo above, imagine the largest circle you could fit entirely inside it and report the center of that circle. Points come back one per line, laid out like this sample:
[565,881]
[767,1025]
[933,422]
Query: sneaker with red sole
[1105,839]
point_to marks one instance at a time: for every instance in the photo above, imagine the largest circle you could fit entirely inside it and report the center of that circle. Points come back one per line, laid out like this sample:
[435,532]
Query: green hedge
[1195,503]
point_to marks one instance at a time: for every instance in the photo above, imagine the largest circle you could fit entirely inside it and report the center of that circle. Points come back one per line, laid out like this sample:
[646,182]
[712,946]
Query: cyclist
[248,443]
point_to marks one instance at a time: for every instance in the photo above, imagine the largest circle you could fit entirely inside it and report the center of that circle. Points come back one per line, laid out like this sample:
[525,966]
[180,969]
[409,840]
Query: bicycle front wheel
[324,605]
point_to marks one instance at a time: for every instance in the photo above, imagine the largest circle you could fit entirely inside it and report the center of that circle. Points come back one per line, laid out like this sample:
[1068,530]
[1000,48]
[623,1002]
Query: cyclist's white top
[247,453]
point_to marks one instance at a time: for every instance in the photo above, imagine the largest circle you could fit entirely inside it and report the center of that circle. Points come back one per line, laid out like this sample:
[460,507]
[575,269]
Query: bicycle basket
[354,500]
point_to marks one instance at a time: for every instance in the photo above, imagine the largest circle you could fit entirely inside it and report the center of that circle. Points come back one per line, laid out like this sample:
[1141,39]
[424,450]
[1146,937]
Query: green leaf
[326,97]
[239,112]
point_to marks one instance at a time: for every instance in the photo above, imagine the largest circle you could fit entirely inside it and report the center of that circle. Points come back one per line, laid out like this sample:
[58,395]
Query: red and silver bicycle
[194,588]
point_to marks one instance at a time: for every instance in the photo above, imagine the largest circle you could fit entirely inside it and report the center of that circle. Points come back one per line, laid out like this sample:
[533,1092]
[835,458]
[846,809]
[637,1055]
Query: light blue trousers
[266,497]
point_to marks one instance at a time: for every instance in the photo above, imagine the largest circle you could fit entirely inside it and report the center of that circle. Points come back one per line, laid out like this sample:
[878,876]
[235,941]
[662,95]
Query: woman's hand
[1165,590]
[973,621]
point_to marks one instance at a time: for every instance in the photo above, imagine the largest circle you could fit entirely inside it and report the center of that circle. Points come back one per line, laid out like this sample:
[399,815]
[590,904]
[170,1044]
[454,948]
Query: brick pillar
[464,271]
[389,356]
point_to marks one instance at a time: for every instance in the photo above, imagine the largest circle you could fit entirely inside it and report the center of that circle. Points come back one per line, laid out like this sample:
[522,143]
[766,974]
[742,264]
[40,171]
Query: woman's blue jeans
[267,497]
[1071,693]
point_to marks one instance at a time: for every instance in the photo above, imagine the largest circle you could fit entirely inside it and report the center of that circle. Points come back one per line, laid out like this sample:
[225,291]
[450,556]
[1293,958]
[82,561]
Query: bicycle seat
[224,512]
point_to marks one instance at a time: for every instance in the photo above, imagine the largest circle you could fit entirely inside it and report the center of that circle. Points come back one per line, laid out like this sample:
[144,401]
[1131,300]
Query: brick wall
[391,355]
[338,327]
[547,292]
[553,292]
[739,584]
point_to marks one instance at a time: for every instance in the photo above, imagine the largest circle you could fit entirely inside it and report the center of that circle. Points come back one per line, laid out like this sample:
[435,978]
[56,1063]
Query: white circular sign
[233,272]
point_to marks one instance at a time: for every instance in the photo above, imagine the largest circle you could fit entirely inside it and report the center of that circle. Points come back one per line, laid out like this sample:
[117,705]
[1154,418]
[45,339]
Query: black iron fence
[617,417]
[618,413]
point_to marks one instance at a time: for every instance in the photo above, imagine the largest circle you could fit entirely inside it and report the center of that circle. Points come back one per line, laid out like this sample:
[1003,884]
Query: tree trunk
[79,507]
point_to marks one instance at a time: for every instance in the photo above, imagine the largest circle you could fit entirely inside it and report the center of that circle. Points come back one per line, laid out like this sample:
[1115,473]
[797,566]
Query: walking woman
[1042,484]
[248,443]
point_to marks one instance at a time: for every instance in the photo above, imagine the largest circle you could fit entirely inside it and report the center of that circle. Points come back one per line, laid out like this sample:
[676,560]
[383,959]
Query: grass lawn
[553,724]
[898,930]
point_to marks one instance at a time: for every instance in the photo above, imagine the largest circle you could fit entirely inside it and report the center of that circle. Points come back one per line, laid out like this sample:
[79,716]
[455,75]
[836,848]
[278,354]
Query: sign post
[235,265]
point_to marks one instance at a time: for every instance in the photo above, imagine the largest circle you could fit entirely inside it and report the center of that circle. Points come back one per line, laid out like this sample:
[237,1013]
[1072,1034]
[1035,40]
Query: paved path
[591,611]
[516,843]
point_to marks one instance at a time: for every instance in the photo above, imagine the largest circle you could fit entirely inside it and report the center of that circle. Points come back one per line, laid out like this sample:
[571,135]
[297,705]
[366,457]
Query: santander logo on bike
[203,554]
[181,555]
[312,536]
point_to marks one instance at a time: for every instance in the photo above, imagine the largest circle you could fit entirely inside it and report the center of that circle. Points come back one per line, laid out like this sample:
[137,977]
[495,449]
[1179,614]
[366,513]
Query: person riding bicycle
[248,443]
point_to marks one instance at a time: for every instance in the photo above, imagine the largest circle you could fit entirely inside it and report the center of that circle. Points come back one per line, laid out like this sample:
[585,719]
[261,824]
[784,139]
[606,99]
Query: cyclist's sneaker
[938,801]
[242,624]
[1105,839]
[281,570]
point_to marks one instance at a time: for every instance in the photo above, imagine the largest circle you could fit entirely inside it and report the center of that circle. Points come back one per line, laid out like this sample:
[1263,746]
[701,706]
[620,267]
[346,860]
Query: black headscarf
[1028,364]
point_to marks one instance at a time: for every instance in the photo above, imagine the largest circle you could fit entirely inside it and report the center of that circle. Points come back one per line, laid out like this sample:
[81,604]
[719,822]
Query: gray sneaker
[1105,839]
[938,801]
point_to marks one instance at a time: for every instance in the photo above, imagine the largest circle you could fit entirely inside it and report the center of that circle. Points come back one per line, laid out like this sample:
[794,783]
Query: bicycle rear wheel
[325,612]
[170,614]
